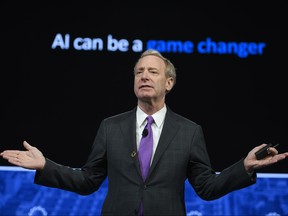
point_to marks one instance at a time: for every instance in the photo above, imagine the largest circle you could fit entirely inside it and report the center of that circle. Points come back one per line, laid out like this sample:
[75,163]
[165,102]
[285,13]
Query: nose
[145,74]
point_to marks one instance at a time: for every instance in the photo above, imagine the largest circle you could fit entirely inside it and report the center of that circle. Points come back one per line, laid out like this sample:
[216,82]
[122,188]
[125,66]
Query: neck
[150,108]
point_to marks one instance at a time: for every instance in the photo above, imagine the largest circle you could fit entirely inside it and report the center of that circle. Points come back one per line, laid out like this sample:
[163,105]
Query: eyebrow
[149,68]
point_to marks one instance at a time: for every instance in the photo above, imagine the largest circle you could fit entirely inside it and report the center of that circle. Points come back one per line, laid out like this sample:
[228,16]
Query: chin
[145,97]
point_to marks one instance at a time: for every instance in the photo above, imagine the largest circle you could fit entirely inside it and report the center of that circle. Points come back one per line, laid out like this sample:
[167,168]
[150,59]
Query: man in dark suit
[179,153]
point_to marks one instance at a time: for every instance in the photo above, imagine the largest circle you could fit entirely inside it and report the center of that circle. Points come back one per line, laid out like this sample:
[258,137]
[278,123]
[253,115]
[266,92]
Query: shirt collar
[158,116]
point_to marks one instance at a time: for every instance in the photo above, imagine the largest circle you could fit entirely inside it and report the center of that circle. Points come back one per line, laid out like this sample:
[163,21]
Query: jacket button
[145,187]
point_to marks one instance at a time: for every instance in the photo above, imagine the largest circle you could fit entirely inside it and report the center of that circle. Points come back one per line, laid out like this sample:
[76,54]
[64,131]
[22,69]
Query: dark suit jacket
[181,154]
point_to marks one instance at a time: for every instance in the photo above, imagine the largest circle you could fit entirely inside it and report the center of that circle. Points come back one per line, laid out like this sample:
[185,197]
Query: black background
[55,99]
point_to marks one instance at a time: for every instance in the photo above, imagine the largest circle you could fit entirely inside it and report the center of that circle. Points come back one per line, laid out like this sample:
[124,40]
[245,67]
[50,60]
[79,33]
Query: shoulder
[120,117]
[180,118]
[182,126]
[185,124]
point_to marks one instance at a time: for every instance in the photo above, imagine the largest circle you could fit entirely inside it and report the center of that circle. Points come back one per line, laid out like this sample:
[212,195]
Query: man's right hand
[32,158]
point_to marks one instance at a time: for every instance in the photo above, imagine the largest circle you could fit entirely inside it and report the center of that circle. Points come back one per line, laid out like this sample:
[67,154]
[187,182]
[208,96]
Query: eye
[138,72]
[153,71]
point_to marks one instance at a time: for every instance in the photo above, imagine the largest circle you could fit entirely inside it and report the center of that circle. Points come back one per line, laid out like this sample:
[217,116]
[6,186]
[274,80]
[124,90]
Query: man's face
[150,81]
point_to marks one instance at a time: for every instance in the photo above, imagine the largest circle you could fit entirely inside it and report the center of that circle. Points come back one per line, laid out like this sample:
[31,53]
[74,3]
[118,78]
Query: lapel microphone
[145,132]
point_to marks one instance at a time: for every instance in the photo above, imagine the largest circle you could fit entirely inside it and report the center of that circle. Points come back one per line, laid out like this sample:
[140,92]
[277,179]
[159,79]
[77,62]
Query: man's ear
[169,84]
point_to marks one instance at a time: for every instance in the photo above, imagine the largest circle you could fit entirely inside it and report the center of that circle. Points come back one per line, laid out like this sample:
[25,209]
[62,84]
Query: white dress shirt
[156,126]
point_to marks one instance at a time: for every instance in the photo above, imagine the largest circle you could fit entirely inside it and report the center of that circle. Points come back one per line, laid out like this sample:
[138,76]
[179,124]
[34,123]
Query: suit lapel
[170,129]
[128,127]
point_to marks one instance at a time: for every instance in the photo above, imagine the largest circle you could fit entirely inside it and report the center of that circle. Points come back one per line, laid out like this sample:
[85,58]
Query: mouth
[145,86]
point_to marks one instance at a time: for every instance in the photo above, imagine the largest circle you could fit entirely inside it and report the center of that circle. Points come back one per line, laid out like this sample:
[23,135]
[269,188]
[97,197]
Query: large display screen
[68,70]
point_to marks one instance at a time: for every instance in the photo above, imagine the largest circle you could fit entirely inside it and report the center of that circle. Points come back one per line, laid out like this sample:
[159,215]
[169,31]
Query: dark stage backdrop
[68,70]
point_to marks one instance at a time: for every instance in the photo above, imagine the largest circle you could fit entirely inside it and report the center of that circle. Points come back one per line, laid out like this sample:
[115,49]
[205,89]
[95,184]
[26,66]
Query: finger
[272,150]
[14,161]
[280,157]
[10,153]
[260,146]
[27,145]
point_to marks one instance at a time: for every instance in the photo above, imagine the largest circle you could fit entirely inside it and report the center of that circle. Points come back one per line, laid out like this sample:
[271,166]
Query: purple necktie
[145,152]
[145,148]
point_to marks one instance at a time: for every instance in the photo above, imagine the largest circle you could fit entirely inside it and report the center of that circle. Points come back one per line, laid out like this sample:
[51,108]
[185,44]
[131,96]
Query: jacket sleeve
[84,180]
[208,184]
